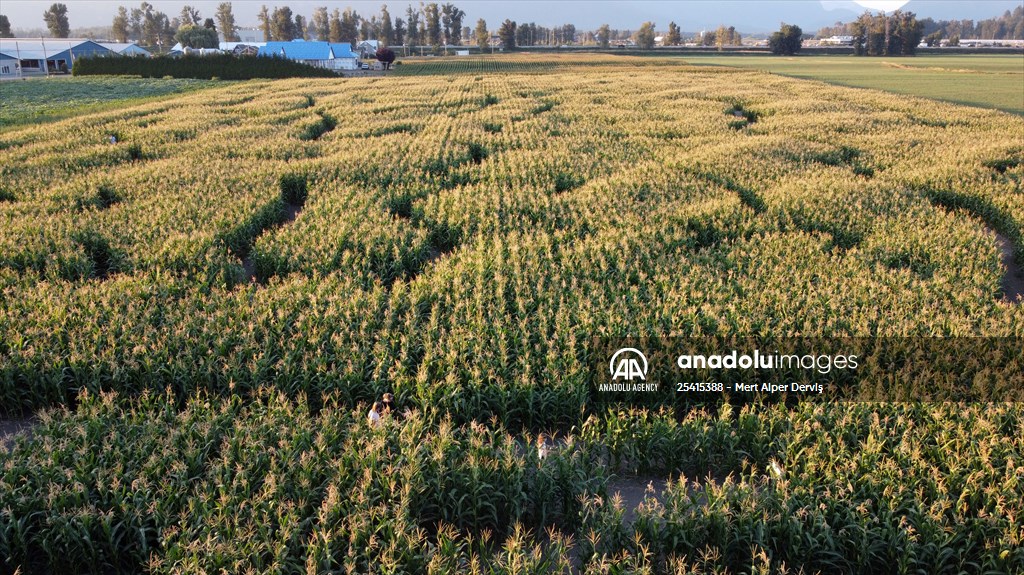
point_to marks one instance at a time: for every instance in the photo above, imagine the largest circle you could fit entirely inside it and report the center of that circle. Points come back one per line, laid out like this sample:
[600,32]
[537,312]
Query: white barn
[125,48]
[368,48]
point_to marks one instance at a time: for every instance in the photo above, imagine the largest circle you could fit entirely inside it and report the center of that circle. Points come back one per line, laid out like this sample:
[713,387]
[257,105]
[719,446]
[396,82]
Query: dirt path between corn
[634,491]
[1013,280]
[11,428]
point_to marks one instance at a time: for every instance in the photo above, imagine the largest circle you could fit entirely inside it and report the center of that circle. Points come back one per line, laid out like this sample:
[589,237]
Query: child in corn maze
[543,449]
[374,415]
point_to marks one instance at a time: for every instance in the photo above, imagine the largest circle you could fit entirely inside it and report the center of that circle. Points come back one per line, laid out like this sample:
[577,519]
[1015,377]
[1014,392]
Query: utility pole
[18,65]
[46,65]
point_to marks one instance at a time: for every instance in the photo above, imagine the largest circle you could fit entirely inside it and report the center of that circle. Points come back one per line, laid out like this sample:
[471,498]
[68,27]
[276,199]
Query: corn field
[202,295]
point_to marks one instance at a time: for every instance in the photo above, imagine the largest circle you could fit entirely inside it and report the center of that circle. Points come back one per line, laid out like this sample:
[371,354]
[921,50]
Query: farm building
[330,55]
[242,48]
[237,48]
[37,56]
[125,49]
[249,35]
[368,48]
[9,66]
[836,41]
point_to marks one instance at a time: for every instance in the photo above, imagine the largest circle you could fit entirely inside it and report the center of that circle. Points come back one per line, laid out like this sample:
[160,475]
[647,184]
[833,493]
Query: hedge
[223,66]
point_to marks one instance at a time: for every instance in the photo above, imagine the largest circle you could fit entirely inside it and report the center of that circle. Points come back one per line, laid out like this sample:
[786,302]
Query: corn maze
[200,296]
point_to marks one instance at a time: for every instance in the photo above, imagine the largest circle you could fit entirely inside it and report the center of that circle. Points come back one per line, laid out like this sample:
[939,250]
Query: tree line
[896,34]
[435,25]
[1008,26]
[432,24]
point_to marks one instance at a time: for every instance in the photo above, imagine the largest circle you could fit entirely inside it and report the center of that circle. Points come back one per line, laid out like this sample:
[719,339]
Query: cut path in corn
[291,211]
[1013,279]
[634,491]
[11,428]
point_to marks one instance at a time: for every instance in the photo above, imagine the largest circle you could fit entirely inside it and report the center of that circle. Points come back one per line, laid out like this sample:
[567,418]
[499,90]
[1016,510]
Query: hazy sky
[692,15]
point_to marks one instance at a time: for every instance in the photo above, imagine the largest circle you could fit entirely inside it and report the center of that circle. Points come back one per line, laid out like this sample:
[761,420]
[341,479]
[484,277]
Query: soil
[291,211]
[250,268]
[1013,281]
[634,491]
[11,428]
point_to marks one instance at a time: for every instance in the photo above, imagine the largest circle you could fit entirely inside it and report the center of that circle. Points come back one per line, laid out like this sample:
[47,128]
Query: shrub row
[223,66]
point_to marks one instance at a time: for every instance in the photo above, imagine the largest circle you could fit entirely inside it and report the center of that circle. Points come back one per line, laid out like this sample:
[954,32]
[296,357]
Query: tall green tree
[264,18]
[149,35]
[301,28]
[432,19]
[135,25]
[350,26]
[119,27]
[604,36]
[787,41]
[566,34]
[226,22]
[735,38]
[154,27]
[196,37]
[645,36]
[334,26]
[57,20]
[525,34]
[451,18]
[387,31]
[368,28]
[189,16]
[507,33]
[483,37]
[399,33]
[282,25]
[908,32]
[896,34]
[165,32]
[412,26]
[320,24]
[673,37]
[5,27]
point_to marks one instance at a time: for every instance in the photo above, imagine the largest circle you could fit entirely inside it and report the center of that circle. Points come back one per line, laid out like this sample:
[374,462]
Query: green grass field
[977,80]
[44,99]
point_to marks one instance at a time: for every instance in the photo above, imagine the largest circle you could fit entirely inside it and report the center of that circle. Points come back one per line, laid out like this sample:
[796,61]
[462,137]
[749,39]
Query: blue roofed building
[330,55]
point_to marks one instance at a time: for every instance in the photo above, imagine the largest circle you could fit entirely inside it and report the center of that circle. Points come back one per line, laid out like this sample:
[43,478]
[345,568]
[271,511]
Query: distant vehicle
[364,66]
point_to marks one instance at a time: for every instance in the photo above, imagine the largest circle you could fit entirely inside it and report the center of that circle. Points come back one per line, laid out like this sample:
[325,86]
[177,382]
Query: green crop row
[269,485]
